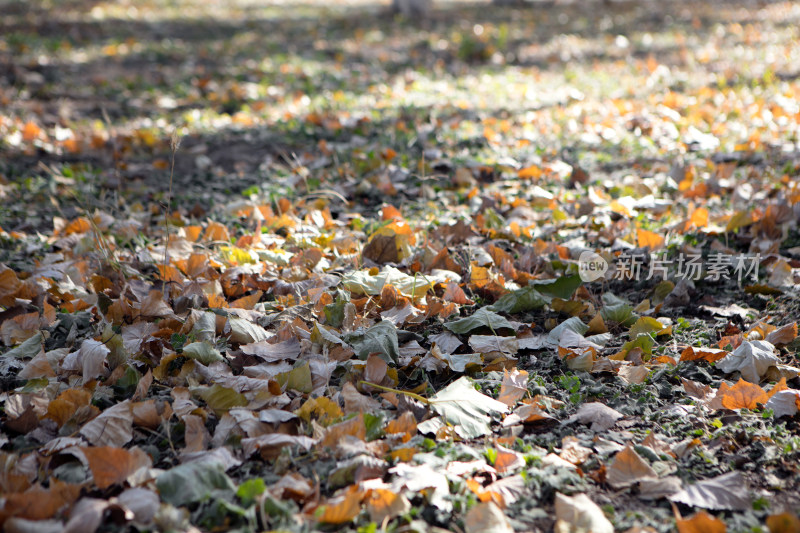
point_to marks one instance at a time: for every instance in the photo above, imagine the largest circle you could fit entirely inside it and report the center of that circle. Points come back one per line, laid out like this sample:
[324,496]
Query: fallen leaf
[728,491]
[579,513]
[600,416]
[487,518]
[628,468]
[744,395]
[513,387]
[467,409]
[752,359]
[344,508]
[783,523]
[784,403]
[112,466]
[700,522]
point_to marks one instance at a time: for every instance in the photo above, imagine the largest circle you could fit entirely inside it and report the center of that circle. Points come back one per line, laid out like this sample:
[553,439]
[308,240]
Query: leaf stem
[398,391]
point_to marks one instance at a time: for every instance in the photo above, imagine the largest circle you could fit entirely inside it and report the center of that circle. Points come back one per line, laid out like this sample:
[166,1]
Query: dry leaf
[579,513]
[744,395]
[700,522]
[728,491]
[487,518]
[112,466]
[628,468]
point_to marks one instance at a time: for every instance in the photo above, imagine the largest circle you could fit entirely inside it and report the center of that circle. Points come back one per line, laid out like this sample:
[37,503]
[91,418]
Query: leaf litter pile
[317,267]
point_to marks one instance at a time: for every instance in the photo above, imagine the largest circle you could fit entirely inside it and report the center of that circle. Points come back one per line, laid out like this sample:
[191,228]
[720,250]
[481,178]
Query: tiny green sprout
[717,423]
[491,455]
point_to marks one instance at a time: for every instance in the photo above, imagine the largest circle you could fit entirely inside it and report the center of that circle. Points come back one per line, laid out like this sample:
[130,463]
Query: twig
[174,144]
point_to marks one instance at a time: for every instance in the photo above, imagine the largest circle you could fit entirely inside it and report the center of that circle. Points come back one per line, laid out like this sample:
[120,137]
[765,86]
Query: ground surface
[376,309]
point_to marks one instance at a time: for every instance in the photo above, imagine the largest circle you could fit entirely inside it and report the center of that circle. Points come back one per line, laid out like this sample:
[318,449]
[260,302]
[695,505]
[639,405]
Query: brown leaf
[39,503]
[487,517]
[508,460]
[112,466]
[628,468]
[196,435]
[783,335]
[293,486]
[355,402]
[405,424]
[600,416]
[513,387]
[354,427]
[112,427]
[572,451]
[67,405]
[454,293]
[382,249]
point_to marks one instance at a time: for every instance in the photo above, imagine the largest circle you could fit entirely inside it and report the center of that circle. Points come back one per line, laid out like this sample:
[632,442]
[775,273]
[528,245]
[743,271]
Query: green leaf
[467,409]
[483,317]
[250,489]
[645,342]
[323,335]
[374,424]
[28,349]
[203,352]
[193,482]
[563,287]
[644,325]
[380,338]
[619,313]
[298,379]
[458,362]
[575,324]
[220,398]
[519,301]
[334,313]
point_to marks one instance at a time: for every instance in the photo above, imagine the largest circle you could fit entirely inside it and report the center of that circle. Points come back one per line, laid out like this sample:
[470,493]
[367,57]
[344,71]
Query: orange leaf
[383,503]
[343,509]
[783,523]
[532,172]
[701,522]
[508,460]
[649,239]
[79,225]
[405,423]
[216,232]
[707,354]
[30,131]
[247,302]
[404,455]
[40,504]
[68,402]
[390,212]
[354,427]
[112,466]
[744,395]
[779,386]
[192,233]
[699,218]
